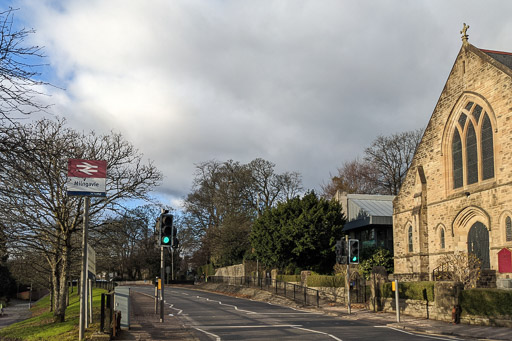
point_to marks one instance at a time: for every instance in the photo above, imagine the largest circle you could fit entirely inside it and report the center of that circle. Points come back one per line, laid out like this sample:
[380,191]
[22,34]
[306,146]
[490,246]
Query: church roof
[504,58]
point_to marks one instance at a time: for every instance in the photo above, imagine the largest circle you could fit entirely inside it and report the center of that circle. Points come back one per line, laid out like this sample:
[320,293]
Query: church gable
[463,160]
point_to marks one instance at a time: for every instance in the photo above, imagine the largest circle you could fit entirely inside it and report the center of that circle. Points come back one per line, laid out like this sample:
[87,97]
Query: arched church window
[441,238]
[472,149]
[487,149]
[457,159]
[508,229]
[409,238]
[471,156]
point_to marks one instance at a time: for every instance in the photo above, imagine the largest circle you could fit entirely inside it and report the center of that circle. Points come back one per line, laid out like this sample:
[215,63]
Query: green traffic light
[354,259]
[166,240]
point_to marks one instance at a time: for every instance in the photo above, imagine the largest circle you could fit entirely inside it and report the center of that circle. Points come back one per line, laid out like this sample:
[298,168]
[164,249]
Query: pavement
[422,325]
[146,325]
[17,310]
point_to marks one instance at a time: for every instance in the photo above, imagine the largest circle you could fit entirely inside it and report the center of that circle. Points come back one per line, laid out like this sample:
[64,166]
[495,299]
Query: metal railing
[442,272]
[300,294]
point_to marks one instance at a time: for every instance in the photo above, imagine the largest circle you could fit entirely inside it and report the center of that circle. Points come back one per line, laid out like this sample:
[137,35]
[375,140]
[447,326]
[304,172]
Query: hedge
[207,269]
[288,278]
[336,281]
[486,302]
[411,290]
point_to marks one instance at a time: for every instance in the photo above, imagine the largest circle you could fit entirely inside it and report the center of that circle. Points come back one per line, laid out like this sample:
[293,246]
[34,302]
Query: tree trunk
[61,290]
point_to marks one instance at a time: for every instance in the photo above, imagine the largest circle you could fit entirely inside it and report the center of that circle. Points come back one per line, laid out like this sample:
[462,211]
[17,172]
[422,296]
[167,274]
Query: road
[218,317]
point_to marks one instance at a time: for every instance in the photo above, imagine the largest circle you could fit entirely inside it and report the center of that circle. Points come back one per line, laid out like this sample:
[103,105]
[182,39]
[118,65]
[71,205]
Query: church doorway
[478,243]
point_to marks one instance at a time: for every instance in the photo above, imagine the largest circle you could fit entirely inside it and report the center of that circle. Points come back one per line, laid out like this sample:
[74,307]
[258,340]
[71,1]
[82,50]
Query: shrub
[423,291]
[335,281]
[288,278]
[486,302]
[378,257]
[207,269]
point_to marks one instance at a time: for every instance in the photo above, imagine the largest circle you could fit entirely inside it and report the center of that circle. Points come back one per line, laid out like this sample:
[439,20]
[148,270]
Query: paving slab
[146,325]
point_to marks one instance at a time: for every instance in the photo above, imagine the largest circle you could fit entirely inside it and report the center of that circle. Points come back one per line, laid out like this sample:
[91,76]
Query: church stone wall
[428,203]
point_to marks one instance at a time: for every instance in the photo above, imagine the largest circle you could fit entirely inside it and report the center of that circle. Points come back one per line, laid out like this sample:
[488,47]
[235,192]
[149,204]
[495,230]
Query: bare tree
[226,198]
[19,86]
[353,177]
[270,187]
[392,156]
[35,211]
[462,267]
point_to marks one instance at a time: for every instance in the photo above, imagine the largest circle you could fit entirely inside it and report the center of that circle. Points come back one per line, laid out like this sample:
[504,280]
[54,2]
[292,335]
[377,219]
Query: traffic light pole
[162,281]
[348,278]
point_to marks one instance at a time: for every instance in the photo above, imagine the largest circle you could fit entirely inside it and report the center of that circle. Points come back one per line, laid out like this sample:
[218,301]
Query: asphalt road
[218,317]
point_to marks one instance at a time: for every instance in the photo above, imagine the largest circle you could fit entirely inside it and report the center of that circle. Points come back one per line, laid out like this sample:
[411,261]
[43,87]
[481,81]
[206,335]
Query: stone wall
[231,271]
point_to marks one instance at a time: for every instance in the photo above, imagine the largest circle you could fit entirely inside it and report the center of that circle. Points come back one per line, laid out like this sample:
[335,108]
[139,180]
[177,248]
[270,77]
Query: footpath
[15,312]
[421,325]
[146,325]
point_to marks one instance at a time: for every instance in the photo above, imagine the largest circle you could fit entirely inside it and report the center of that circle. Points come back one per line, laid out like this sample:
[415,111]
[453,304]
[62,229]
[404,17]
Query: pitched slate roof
[504,58]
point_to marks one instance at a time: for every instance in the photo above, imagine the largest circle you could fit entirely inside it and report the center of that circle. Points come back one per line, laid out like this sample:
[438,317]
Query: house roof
[504,58]
[363,210]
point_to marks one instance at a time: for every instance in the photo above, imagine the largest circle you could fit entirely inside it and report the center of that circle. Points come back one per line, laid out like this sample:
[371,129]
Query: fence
[298,293]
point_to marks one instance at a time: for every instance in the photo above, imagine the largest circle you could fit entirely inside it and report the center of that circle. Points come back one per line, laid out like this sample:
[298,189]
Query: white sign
[87,177]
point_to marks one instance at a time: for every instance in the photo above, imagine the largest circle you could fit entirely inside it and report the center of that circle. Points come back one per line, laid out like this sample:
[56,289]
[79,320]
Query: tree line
[233,212]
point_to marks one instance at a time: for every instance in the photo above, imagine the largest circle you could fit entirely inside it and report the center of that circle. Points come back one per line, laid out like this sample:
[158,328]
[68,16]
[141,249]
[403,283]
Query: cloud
[305,84]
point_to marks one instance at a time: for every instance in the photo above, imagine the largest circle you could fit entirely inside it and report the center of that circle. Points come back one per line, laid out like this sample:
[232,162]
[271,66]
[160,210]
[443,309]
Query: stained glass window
[508,229]
[409,235]
[457,160]
[441,237]
[487,149]
[471,156]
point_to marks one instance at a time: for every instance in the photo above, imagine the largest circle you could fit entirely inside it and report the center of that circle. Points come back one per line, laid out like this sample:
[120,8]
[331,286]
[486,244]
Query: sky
[307,85]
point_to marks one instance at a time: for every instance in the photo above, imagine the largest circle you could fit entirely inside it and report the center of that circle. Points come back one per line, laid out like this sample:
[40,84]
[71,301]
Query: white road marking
[420,335]
[254,326]
[217,337]
[318,332]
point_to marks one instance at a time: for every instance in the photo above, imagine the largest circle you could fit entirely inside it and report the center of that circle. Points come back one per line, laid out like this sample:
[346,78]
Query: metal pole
[83,277]
[162,276]
[397,303]
[349,310]
[90,301]
[172,263]
[156,296]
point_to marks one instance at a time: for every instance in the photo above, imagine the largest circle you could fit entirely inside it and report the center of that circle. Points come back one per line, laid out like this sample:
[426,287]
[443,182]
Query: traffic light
[341,253]
[175,241]
[353,251]
[166,229]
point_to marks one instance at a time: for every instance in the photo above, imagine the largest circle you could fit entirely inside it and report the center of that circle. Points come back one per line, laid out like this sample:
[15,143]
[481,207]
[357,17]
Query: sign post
[86,178]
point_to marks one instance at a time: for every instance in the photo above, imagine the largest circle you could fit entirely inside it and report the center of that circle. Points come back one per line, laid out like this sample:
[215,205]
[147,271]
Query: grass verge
[41,326]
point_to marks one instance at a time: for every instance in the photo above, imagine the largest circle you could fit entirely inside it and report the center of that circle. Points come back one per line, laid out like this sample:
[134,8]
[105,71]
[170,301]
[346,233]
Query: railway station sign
[87,178]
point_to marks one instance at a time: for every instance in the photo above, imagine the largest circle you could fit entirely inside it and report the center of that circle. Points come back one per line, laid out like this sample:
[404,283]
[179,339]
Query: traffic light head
[353,251]
[166,220]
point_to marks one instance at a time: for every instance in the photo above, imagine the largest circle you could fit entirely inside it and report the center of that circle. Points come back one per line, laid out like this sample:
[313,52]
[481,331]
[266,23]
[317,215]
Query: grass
[41,326]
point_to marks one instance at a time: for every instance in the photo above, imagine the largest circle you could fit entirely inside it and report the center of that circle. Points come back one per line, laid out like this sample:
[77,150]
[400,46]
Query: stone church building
[457,195]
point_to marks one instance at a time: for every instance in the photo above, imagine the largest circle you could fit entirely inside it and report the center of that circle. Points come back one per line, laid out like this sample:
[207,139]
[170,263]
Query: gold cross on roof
[464,33]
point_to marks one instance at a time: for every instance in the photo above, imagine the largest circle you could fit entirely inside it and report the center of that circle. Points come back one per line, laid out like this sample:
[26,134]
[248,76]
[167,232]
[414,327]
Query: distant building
[457,194]
[369,218]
